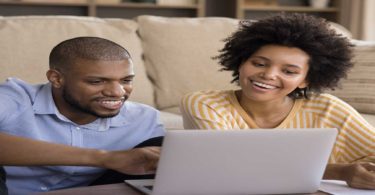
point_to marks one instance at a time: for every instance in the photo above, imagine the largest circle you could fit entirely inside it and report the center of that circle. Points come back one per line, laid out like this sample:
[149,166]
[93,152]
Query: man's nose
[115,90]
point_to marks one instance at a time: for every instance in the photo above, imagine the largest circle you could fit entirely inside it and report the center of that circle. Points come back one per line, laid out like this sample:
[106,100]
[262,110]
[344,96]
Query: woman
[282,64]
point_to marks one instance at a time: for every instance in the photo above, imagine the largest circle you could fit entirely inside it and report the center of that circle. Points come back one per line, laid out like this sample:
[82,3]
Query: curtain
[358,16]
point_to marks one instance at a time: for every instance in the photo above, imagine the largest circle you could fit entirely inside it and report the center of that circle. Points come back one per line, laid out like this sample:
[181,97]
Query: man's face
[92,89]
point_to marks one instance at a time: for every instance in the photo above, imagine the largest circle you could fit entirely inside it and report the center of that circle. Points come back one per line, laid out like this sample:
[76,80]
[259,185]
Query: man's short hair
[92,48]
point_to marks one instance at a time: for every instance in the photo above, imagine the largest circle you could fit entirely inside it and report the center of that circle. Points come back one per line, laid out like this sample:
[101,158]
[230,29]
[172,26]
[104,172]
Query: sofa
[172,56]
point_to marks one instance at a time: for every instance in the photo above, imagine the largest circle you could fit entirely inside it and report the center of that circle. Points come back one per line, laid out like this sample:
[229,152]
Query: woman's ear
[304,84]
[55,78]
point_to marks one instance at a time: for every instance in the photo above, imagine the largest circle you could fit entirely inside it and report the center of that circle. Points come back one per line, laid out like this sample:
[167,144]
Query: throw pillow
[178,55]
[359,88]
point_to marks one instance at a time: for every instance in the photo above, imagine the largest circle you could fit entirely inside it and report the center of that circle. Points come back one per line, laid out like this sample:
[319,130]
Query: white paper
[340,188]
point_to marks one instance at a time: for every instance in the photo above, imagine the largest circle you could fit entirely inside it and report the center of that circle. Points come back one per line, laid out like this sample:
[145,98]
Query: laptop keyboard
[148,187]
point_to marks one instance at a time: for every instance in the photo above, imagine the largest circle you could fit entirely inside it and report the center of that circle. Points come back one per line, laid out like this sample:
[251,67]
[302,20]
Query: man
[3,189]
[83,105]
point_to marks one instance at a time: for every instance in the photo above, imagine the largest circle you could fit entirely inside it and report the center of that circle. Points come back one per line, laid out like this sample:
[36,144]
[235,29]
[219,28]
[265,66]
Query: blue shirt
[29,111]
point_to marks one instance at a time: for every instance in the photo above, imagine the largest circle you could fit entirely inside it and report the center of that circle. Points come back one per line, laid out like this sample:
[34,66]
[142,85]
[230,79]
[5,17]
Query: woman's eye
[290,72]
[256,64]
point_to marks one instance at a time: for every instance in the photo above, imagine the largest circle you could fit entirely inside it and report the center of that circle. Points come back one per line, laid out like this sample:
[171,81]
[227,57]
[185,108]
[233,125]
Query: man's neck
[73,114]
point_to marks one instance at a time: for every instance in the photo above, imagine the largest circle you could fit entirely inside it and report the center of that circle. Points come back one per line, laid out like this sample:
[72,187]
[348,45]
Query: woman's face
[273,72]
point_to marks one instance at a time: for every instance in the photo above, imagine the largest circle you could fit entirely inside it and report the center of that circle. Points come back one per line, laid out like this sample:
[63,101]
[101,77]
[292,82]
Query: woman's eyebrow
[261,57]
[294,66]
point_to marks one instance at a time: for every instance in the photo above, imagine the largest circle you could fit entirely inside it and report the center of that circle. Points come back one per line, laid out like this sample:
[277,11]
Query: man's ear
[55,78]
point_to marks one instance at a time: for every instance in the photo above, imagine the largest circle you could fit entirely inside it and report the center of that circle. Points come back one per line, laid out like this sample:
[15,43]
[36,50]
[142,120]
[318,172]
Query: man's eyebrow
[131,75]
[106,78]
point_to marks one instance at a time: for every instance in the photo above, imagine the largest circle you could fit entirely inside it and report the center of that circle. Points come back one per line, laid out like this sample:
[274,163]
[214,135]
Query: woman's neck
[267,114]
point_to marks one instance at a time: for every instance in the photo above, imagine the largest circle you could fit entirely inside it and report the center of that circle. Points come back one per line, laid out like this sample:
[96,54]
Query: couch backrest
[25,43]
[178,55]
[358,89]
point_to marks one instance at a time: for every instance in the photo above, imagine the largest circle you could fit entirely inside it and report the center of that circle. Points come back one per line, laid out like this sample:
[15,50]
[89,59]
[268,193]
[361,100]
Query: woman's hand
[360,175]
[356,175]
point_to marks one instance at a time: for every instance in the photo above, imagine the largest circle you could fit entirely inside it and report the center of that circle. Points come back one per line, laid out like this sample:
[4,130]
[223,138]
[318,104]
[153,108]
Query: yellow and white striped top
[221,110]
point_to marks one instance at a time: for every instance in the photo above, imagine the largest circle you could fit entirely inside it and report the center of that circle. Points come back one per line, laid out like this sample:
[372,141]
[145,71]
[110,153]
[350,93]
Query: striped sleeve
[356,138]
[204,110]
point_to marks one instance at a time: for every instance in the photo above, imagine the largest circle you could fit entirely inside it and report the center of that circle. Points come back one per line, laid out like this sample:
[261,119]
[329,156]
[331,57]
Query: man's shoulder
[137,108]
[134,112]
[16,88]
[17,85]
[136,105]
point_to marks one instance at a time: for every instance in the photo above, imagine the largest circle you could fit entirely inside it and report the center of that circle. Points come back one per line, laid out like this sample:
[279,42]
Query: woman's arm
[356,175]
[354,152]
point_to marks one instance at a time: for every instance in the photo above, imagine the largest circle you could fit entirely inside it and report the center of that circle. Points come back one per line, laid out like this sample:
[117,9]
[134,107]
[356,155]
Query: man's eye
[95,82]
[127,81]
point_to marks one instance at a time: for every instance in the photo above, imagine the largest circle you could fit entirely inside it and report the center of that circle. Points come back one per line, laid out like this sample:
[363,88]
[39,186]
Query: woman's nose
[269,74]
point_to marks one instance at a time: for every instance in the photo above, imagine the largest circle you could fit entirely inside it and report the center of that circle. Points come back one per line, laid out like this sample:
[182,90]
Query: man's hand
[134,162]
[356,175]
[19,151]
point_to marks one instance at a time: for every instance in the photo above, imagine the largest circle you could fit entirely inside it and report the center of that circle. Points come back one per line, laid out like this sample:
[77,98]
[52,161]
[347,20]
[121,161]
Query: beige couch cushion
[178,55]
[171,121]
[359,88]
[370,118]
[25,44]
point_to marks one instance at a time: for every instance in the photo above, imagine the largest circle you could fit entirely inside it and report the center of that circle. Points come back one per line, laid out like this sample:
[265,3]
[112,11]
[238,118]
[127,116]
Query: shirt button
[78,128]
[44,188]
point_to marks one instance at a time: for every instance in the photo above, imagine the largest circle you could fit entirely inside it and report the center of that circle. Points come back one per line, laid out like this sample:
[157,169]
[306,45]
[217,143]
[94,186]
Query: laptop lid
[264,161]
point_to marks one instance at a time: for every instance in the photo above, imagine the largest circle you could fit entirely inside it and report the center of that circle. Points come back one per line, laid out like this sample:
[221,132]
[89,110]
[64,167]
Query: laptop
[256,161]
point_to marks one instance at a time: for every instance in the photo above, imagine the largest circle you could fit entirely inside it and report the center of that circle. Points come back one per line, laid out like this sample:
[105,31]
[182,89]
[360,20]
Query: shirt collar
[44,103]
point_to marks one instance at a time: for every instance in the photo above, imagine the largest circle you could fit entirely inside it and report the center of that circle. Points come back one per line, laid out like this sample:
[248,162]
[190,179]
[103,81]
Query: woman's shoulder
[326,100]
[209,94]
[325,97]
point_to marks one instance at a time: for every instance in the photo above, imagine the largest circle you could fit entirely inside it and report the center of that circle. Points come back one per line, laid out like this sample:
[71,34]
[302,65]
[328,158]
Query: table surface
[112,189]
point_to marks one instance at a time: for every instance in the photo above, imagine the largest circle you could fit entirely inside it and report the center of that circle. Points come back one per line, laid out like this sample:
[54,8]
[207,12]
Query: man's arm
[18,151]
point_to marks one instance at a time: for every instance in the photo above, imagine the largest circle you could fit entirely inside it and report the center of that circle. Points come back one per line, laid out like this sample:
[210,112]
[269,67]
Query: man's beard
[76,105]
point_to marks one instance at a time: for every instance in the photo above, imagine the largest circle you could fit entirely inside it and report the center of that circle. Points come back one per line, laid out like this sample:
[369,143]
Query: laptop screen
[264,161]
